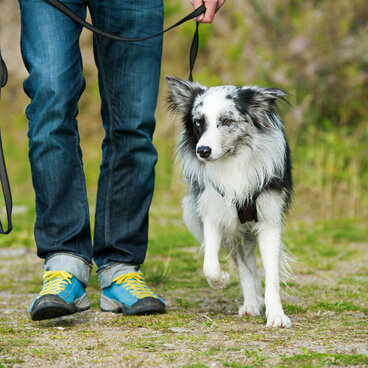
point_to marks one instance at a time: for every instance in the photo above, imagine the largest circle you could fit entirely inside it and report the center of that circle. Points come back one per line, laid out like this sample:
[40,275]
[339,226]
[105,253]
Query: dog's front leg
[217,278]
[270,247]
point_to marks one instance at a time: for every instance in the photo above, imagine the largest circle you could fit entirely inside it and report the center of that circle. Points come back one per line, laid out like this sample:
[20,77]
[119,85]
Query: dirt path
[328,309]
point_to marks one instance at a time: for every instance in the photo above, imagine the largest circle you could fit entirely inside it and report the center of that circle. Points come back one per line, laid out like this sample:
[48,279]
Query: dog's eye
[226,121]
[197,123]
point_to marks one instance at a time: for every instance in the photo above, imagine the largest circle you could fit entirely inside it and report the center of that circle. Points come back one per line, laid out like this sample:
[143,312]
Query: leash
[67,11]
[193,49]
[246,212]
[3,173]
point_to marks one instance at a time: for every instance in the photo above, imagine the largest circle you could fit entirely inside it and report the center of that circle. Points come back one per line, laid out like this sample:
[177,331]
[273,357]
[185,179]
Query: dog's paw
[250,309]
[278,320]
[219,281]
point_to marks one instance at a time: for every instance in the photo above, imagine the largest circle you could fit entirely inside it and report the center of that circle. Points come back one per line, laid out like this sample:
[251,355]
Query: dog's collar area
[247,212]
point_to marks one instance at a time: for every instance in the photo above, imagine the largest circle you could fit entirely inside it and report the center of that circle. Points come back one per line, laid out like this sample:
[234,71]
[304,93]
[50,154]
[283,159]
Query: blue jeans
[128,76]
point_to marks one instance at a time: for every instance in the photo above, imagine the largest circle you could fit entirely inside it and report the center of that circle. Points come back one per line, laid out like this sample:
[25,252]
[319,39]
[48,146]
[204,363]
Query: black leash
[3,173]
[247,211]
[64,9]
[193,49]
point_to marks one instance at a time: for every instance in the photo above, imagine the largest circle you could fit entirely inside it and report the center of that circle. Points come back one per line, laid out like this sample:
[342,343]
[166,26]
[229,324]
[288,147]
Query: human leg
[50,49]
[128,79]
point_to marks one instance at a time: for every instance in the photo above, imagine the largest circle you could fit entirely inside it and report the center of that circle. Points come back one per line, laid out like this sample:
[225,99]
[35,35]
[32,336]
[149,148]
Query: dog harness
[246,212]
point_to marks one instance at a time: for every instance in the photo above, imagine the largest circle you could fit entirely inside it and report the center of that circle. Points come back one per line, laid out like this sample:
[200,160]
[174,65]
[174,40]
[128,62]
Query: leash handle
[6,192]
[3,173]
[3,73]
[193,49]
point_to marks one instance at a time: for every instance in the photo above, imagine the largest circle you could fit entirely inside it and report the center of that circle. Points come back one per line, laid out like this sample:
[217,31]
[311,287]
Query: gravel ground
[205,333]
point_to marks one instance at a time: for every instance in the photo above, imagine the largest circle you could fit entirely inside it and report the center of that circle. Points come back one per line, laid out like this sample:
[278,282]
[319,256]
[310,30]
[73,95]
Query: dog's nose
[204,151]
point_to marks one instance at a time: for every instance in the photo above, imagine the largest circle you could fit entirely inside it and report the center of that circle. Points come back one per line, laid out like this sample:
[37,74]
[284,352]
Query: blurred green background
[315,50]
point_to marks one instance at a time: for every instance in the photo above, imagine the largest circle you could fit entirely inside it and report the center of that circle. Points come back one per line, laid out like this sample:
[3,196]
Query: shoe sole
[142,307]
[56,308]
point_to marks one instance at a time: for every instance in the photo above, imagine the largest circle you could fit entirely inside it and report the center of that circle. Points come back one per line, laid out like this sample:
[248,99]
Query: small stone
[178,329]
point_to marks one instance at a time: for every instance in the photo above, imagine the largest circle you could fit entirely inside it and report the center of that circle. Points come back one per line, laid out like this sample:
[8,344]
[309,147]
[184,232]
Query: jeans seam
[82,175]
[111,129]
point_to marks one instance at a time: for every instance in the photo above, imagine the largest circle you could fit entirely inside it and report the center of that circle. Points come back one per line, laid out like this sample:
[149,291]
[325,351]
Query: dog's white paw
[278,320]
[219,281]
[250,309]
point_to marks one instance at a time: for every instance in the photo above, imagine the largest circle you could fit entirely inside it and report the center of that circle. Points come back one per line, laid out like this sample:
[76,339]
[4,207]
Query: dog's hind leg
[248,279]
[250,250]
[191,218]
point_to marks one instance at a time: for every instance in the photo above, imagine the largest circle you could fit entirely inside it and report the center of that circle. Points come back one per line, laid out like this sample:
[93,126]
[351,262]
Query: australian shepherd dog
[236,160]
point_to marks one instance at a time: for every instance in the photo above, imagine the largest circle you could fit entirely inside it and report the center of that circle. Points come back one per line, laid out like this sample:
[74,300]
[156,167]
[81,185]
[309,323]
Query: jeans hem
[107,273]
[73,264]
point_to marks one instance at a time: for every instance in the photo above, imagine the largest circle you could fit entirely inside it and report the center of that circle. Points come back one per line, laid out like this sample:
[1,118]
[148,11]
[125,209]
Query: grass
[308,359]
[201,327]
[327,300]
[326,233]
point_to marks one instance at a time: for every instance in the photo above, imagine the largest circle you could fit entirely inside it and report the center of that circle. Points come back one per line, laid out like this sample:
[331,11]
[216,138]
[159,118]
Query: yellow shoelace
[135,284]
[55,282]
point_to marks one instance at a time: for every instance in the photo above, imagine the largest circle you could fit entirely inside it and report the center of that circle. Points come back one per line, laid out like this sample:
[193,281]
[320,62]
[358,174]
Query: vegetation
[315,50]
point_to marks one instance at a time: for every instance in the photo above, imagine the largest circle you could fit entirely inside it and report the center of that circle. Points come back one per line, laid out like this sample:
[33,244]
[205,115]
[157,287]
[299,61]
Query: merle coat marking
[232,149]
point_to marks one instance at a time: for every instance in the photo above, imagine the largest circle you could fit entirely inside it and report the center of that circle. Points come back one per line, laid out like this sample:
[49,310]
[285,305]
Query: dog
[236,160]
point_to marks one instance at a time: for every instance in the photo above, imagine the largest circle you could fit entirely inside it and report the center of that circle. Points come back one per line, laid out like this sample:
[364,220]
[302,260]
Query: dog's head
[220,120]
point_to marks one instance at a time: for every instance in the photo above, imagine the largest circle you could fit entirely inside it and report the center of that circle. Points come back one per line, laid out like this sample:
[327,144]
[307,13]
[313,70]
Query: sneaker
[130,295]
[62,294]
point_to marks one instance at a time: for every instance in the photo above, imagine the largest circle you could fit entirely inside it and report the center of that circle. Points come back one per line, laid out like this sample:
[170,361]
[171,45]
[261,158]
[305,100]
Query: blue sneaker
[130,295]
[62,294]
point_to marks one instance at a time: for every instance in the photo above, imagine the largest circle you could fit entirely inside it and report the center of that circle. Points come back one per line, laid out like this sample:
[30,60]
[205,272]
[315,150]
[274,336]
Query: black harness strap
[3,173]
[246,212]
[194,47]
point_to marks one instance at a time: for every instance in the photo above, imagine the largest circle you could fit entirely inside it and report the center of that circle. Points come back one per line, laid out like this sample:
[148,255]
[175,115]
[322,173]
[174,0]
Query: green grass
[339,307]
[326,233]
[255,357]
[308,359]
[199,316]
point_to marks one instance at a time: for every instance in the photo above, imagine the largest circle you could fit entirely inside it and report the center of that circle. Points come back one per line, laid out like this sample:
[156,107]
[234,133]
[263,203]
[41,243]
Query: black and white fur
[232,146]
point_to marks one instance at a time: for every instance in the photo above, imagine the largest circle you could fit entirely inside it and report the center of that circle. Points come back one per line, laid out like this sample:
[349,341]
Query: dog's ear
[182,94]
[260,104]
[260,97]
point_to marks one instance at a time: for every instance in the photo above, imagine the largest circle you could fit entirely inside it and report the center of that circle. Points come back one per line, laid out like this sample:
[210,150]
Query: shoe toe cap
[148,305]
[50,306]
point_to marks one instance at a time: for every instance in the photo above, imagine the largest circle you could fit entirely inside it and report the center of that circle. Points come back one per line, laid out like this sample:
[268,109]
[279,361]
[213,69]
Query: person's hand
[211,8]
